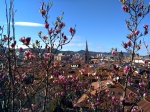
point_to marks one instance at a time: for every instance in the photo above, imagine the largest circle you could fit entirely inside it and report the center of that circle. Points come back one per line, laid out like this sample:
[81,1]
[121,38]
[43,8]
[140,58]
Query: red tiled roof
[143,104]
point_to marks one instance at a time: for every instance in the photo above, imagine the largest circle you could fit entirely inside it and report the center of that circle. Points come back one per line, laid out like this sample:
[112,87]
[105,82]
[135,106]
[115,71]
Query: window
[119,93]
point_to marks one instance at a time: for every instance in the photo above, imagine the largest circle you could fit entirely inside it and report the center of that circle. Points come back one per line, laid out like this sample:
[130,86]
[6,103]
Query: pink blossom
[73,80]
[133,33]
[12,45]
[92,104]
[137,32]
[57,94]
[147,76]
[106,91]
[45,37]
[31,57]
[47,47]
[74,105]
[55,81]
[27,53]
[25,41]
[62,93]
[20,49]
[113,53]
[113,98]
[125,8]
[126,69]
[22,39]
[109,96]
[34,82]
[125,45]
[145,26]
[128,43]
[145,95]
[142,84]
[112,74]
[76,78]
[62,79]
[47,55]
[122,99]
[82,71]
[68,88]
[16,76]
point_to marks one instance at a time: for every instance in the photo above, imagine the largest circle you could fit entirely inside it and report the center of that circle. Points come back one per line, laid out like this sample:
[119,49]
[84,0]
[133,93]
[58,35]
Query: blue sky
[100,22]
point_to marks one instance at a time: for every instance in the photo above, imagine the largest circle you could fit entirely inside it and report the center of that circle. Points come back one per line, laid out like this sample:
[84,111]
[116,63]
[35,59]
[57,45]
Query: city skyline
[101,23]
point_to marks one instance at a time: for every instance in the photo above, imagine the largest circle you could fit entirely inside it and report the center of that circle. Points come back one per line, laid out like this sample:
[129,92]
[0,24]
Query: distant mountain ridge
[81,52]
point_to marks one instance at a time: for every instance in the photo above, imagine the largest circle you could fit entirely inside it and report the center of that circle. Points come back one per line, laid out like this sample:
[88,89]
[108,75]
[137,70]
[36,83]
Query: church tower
[86,53]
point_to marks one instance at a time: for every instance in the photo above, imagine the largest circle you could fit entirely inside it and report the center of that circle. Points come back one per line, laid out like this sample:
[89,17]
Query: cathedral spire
[86,53]
[86,46]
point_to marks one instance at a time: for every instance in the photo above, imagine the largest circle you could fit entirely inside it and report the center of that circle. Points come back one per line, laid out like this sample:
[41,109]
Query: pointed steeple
[86,53]
[86,46]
